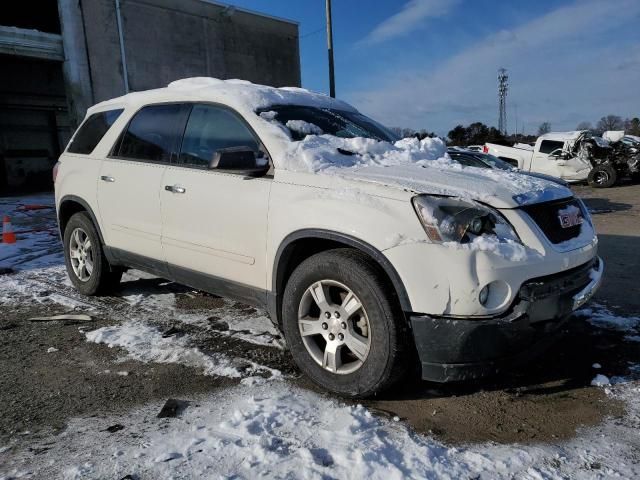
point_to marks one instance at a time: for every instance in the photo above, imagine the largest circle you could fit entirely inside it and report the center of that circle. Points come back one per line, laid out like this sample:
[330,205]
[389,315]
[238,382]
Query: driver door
[214,223]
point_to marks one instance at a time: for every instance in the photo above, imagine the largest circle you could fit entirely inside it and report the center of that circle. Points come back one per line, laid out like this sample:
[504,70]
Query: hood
[420,166]
[497,188]
[544,176]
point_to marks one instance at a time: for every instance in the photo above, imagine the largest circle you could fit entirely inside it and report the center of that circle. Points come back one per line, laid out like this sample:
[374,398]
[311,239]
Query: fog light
[484,295]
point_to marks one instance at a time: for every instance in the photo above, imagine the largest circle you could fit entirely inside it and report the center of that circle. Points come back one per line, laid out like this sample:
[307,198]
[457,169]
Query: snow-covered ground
[268,428]
[265,425]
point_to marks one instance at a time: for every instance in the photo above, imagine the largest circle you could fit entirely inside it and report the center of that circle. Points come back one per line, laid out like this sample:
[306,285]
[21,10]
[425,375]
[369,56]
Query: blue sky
[432,63]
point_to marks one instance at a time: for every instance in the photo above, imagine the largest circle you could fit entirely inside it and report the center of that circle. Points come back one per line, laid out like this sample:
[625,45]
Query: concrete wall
[165,40]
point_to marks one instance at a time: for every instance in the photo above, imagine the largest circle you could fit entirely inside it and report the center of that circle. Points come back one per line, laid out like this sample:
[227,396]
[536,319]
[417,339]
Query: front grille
[547,217]
[570,281]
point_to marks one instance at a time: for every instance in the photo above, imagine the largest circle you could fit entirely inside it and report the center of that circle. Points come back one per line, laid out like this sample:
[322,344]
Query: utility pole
[332,81]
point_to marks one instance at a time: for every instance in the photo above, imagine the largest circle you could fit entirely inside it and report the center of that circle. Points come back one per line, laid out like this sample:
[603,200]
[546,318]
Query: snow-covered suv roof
[241,95]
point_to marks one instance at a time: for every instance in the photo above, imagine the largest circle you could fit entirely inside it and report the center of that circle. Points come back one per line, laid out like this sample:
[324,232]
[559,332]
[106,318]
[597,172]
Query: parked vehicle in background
[475,148]
[370,253]
[486,160]
[553,154]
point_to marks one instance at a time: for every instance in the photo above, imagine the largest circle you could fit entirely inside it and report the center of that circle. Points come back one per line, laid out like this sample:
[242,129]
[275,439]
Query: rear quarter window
[92,130]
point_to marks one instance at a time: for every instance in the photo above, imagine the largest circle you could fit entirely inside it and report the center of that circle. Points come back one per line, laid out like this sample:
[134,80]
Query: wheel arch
[70,205]
[302,244]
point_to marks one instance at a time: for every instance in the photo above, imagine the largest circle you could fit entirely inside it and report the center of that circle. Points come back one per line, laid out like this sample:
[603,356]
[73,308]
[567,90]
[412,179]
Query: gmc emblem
[570,219]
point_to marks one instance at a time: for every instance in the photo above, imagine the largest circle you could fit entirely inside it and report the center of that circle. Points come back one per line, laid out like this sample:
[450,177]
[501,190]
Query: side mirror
[240,160]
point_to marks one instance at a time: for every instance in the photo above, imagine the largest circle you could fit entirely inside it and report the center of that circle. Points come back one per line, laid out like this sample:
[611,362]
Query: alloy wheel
[334,327]
[81,254]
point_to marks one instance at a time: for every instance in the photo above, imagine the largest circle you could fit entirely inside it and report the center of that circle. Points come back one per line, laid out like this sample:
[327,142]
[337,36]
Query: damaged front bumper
[455,349]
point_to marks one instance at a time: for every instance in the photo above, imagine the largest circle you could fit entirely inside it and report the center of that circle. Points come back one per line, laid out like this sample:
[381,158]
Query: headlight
[450,219]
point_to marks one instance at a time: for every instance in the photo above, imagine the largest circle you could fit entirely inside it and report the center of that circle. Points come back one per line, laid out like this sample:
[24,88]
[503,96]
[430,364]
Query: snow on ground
[40,245]
[275,430]
[601,317]
[147,344]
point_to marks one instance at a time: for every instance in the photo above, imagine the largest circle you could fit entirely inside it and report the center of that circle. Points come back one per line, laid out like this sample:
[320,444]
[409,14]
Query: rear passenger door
[130,182]
[215,223]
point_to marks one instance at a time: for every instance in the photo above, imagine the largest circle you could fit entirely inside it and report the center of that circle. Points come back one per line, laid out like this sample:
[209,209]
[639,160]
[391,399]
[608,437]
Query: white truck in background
[553,154]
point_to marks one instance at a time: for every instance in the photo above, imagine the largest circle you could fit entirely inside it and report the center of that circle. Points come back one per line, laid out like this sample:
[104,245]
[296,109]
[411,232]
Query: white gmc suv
[372,254]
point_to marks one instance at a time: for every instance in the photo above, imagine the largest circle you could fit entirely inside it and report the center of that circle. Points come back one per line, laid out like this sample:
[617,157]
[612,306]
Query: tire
[97,276]
[602,176]
[387,357]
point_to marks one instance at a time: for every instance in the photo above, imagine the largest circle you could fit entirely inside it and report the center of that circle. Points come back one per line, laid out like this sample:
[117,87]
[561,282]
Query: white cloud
[565,66]
[413,13]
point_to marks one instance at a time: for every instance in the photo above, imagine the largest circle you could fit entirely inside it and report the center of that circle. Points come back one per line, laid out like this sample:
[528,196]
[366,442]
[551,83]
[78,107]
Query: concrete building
[58,58]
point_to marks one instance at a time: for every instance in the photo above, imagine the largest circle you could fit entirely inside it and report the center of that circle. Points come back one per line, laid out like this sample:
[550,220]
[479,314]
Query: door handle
[175,189]
[106,178]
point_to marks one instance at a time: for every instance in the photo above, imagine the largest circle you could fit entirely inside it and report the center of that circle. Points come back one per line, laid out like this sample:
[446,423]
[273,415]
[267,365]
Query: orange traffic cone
[7,231]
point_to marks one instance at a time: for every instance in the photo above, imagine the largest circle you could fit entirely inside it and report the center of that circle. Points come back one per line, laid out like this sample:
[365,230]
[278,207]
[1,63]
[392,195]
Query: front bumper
[454,348]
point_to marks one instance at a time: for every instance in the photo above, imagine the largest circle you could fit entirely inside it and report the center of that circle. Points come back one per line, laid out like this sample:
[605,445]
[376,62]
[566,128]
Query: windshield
[302,120]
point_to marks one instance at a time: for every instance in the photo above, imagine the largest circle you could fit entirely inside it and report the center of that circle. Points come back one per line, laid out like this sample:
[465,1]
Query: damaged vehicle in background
[372,254]
[576,157]
[613,156]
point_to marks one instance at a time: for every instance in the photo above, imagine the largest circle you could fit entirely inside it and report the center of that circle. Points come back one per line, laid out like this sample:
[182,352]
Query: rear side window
[151,134]
[92,130]
[548,146]
[211,128]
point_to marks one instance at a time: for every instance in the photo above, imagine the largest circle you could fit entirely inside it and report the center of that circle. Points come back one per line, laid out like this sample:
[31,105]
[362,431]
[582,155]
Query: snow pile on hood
[420,165]
[325,152]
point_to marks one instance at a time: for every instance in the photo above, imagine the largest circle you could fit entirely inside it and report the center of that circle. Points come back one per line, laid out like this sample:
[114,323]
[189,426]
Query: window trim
[118,142]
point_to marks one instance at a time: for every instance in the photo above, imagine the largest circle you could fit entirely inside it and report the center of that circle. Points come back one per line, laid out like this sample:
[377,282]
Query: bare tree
[584,126]
[545,127]
[610,122]
[632,126]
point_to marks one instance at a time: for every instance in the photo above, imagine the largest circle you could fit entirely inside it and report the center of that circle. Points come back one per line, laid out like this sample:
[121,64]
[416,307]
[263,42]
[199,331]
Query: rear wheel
[343,326]
[602,176]
[87,267]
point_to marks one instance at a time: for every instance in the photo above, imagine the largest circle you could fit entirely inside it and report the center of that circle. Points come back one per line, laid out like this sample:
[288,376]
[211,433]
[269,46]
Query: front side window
[548,146]
[151,134]
[92,130]
[211,128]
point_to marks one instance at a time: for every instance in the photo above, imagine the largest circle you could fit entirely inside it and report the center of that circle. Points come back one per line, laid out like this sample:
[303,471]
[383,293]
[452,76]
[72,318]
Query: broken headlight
[450,219]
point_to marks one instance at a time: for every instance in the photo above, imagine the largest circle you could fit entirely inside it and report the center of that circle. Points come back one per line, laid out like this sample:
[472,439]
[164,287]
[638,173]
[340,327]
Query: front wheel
[602,176]
[343,327]
[87,266]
